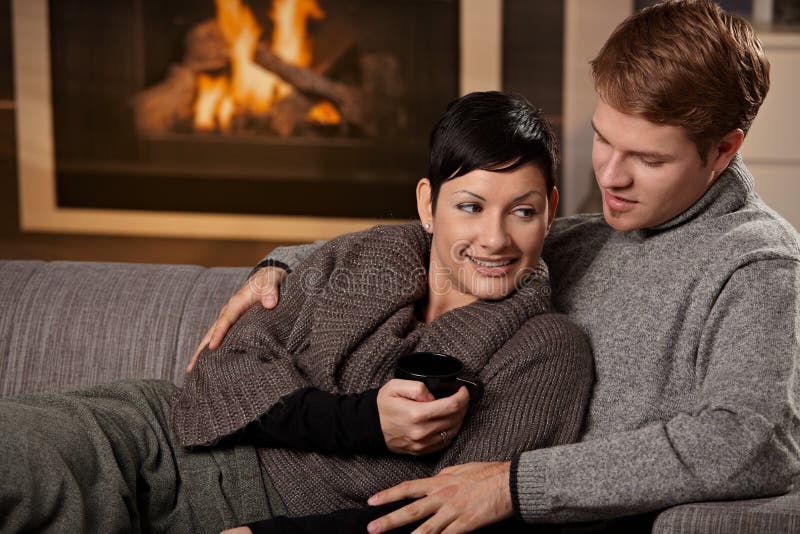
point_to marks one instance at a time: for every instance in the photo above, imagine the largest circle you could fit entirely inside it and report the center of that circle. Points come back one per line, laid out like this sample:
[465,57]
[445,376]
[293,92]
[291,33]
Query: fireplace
[150,110]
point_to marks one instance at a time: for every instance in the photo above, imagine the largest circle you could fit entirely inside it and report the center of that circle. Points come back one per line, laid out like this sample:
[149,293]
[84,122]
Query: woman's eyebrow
[470,193]
[529,193]
[516,199]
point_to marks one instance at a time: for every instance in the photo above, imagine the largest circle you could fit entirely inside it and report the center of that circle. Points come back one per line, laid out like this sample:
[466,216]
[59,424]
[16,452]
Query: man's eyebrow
[594,127]
[660,156]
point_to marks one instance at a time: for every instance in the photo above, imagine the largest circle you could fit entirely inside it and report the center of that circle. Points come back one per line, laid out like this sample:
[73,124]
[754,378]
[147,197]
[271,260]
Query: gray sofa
[66,325]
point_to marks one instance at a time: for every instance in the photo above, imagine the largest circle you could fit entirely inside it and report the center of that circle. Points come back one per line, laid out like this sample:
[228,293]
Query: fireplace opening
[285,107]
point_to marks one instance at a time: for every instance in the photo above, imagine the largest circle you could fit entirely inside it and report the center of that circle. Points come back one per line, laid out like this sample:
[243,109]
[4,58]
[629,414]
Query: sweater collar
[472,333]
[728,193]
[475,332]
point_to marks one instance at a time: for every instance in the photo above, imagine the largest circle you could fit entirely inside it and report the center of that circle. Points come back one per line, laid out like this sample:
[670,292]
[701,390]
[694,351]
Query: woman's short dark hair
[490,131]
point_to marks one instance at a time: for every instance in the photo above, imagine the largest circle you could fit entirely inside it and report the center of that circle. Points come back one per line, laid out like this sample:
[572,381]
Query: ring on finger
[443,435]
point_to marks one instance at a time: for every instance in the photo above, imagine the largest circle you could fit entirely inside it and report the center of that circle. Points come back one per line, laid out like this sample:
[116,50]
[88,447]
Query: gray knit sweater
[343,319]
[695,331]
[695,328]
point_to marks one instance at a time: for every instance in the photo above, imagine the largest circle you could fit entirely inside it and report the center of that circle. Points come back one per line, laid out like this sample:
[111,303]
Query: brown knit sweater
[344,318]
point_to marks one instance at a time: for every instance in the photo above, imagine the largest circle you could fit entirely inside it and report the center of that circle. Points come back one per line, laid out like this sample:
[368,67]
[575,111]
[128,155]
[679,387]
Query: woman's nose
[494,236]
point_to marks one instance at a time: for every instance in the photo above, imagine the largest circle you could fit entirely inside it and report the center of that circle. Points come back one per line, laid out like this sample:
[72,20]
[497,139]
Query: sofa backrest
[65,325]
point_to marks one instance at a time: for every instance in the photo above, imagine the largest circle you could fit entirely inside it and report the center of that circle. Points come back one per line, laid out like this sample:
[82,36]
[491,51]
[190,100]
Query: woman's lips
[493,268]
[617,203]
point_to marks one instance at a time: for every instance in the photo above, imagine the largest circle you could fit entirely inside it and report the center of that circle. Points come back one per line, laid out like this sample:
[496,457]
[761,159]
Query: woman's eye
[525,212]
[469,207]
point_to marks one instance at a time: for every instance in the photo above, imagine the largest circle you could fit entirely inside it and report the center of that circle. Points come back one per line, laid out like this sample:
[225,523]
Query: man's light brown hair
[685,63]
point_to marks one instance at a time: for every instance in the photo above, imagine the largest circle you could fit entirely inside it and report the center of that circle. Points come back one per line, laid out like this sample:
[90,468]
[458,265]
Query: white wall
[771,149]
[588,24]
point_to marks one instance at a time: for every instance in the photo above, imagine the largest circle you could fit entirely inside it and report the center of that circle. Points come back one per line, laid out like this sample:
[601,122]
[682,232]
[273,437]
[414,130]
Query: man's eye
[654,164]
[469,207]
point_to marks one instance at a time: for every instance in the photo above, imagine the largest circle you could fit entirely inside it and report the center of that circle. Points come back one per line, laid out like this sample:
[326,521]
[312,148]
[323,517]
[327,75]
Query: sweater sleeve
[291,256]
[738,441]
[532,398]
[317,421]
[254,366]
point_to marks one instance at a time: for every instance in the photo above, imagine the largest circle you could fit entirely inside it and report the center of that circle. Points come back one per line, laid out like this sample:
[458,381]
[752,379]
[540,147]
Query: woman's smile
[492,267]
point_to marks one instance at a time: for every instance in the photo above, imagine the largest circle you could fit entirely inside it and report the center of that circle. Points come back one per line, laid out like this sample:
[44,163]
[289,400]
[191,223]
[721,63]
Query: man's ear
[722,151]
[424,206]
[552,205]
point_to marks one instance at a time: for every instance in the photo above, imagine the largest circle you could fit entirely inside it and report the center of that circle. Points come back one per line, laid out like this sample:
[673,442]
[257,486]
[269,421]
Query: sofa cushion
[14,276]
[75,324]
[775,515]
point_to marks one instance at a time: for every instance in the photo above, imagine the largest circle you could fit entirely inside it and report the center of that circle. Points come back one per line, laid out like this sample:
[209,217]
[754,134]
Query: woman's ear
[424,206]
[552,206]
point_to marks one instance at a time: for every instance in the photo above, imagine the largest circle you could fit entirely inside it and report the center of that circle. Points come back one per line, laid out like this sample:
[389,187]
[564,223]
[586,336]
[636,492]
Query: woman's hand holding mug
[414,422]
[422,410]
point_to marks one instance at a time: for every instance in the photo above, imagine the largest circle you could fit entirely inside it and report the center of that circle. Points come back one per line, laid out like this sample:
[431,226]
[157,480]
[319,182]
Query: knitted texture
[344,317]
[695,330]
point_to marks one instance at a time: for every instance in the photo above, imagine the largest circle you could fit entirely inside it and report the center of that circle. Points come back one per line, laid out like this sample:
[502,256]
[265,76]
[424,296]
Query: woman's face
[488,231]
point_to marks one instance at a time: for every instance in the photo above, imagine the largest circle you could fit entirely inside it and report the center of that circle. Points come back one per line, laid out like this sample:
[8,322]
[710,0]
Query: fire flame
[251,88]
[324,113]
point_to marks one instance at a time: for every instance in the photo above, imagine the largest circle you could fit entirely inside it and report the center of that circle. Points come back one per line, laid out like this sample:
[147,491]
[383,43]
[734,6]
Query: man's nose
[613,173]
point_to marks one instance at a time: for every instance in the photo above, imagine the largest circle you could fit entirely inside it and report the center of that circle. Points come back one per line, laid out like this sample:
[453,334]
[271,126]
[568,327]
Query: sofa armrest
[776,515]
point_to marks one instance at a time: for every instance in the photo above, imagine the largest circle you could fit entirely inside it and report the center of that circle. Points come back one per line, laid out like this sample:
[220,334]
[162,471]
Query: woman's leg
[103,460]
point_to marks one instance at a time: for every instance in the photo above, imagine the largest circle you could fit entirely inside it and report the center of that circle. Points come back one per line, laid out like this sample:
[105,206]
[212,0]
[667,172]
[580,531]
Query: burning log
[291,111]
[286,115]
[347,98]
[206,48]
[308,83]
[158,108]
[373,106]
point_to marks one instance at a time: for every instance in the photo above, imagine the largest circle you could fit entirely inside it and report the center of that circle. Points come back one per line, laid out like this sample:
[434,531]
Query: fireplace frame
[480,67]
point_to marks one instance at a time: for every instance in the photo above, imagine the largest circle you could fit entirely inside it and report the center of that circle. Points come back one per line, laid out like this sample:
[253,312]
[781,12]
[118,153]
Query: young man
[688,287]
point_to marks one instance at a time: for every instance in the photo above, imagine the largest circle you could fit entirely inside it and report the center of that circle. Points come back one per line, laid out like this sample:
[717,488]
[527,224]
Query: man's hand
[461,498]
[413,421]
[262,286]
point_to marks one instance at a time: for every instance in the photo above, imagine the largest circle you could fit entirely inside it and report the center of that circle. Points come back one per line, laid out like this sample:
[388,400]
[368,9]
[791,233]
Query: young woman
[297,412]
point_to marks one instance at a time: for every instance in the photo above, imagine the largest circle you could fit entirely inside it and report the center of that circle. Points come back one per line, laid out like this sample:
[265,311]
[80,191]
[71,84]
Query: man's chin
[623,222]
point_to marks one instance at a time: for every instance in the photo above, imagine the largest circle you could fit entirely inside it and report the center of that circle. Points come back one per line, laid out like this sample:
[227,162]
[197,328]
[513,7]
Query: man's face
[647,173]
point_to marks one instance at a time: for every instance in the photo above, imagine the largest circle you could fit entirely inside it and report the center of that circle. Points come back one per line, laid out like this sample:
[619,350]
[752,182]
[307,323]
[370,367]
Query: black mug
[440,373]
